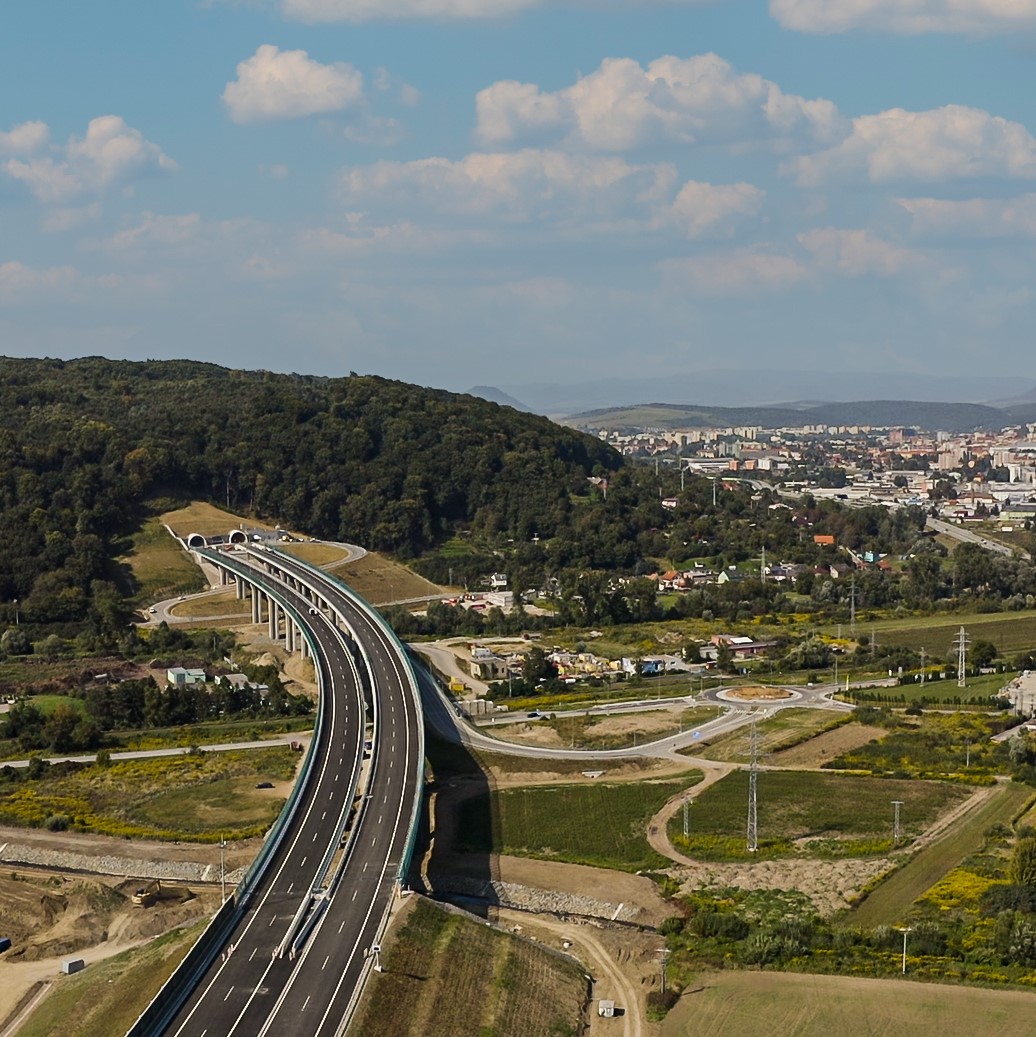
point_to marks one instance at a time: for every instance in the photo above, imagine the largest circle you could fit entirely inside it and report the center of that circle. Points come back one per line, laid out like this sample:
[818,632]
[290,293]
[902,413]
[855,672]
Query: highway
[295,963]
[335,960]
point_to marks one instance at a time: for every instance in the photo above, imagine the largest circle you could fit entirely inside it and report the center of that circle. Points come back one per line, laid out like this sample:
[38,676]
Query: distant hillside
[389,465]
[495,395]
[950,417]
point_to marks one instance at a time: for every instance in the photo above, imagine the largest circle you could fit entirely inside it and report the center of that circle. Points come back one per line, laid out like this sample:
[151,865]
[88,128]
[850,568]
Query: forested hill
[393,466]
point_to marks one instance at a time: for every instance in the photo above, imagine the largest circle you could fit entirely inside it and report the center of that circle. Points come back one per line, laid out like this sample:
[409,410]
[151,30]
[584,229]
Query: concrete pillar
[303,646]
[289,634]
[239,586]
[255,605]
[271,620]
[224,577]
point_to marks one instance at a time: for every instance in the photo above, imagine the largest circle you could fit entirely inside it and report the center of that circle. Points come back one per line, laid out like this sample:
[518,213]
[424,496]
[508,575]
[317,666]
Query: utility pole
[896,803]
[222,870]
[962,641]
[664,958]
[686,818]
[852,605]
[753,783]
[922,665]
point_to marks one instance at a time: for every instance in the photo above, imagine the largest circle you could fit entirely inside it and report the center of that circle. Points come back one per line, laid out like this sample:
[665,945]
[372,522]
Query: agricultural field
[603,825]
[808,813]
[448,975]
[731,1004]
[197,797]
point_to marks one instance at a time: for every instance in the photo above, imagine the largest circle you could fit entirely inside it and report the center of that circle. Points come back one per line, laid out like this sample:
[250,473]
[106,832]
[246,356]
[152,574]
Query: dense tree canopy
[390,465]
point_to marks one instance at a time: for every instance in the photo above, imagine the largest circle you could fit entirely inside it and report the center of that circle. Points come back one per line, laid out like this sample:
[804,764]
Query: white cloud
[952,142]
[622,105]
[977,17]
[857,253]
[391,10]
[20,283]
[289,84]
[111,153]
[739,272]
[973,217]
[699,206]
[24,139]
[523,186]
[184,235]
[62,219]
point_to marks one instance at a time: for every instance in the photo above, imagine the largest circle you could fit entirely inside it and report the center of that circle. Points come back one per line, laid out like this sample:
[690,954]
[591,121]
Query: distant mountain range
[922,415]
[754,387]
[724,398]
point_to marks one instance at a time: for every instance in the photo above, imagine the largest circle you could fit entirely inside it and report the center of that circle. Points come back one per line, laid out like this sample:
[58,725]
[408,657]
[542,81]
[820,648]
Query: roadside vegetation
[448,975]
[810,814]
[601,824]
[195,797]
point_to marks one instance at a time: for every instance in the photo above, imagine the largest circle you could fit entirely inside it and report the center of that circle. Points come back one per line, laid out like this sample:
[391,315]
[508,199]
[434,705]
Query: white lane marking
[304,1004]
[291,887]
[323,815]
[326,960]
[355,891]
[342,926]
[228,993]
[253,954]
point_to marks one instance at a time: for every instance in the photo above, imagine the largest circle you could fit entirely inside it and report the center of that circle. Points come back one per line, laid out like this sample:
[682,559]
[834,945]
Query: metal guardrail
[168,1001]
[404,656]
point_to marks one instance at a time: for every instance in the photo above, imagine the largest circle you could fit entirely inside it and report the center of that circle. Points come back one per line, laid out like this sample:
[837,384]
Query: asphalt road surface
[252,990]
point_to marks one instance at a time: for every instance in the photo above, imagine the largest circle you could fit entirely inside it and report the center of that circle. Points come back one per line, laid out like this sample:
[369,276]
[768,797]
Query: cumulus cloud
[623,105]
[973,217]
[905,16]
[857,253]
[20,283]
[521,186]
[289,84]
[24,139]
[737,272]
[953,142]
[585,193]
[699,206]
[110,153]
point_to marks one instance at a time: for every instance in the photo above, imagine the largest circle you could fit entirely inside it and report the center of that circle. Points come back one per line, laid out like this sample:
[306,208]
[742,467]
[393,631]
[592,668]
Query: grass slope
[448,976]
[890,901]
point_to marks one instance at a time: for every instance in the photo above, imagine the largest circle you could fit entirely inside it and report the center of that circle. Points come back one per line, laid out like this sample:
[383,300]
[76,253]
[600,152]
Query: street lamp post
[904,930]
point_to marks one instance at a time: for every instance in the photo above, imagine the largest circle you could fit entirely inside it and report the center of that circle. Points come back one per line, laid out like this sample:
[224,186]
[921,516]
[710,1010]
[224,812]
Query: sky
[473,192]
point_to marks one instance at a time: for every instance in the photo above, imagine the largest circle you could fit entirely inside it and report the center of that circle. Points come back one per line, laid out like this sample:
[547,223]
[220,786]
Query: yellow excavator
[147,895]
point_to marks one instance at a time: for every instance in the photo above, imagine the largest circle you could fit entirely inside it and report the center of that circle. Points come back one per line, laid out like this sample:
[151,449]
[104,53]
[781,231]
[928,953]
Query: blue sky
[460,192]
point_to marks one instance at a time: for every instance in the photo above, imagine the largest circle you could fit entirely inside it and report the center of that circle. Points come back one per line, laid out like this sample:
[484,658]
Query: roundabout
[758,694]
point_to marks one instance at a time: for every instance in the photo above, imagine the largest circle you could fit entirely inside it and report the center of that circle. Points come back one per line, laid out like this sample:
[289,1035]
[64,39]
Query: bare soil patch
[831,884]
[50,916]
[223,603]
[826,746]
[643,723]
[532,733]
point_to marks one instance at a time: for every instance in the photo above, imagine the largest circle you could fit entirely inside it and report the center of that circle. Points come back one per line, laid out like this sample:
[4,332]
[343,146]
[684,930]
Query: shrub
[659,1004]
